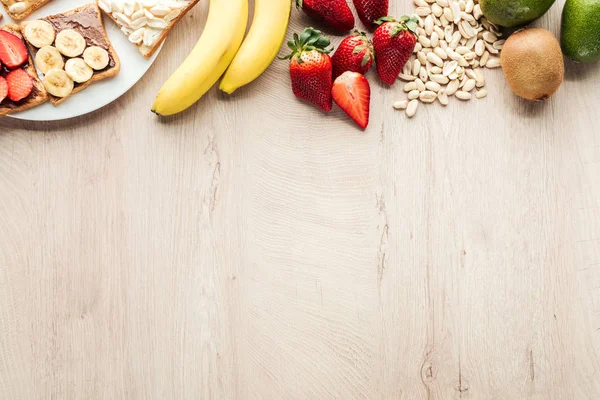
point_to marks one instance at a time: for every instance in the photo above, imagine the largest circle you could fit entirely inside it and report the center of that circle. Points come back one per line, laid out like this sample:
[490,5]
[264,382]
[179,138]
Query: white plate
[99,94]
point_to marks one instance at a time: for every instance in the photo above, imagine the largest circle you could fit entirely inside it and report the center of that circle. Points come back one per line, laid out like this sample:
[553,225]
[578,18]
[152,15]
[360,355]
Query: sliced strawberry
[3,89]
[352,93]
[19,83]
[13,52]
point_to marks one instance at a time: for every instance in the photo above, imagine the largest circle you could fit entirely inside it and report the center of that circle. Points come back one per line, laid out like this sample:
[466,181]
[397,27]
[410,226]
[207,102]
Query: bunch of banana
[269,26]
[220,41]
[217,52]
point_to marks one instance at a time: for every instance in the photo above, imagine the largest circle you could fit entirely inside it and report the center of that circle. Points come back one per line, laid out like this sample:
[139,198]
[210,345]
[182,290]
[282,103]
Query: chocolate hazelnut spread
[87,23]
[8,103]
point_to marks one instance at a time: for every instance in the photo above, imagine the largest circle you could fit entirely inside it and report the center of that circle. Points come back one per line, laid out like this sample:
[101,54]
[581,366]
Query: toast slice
[22,11]
[156,21]
[87,21]
[38,93]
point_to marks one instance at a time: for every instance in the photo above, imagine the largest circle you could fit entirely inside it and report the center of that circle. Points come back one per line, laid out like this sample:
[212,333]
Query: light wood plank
[253,248]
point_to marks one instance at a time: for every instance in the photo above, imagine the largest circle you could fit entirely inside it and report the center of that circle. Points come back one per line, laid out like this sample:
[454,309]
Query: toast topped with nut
[20,87]
[71,51]
[146,22]
[19,9]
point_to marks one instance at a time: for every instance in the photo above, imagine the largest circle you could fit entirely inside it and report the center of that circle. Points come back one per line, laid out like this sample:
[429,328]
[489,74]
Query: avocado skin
[514,13]
[580,35]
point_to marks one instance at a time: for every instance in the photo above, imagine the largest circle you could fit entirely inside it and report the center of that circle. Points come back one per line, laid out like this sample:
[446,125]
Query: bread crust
[34,6]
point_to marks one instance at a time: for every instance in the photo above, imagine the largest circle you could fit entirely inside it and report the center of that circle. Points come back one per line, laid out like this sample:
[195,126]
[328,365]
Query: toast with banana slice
[71,51]
[20,9]
[146,23]
[20,87]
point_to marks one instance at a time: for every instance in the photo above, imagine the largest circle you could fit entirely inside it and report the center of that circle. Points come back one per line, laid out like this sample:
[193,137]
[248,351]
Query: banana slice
[78,70]
[48,58]
[39,33]
[58,83]
[70,43]
[96,57]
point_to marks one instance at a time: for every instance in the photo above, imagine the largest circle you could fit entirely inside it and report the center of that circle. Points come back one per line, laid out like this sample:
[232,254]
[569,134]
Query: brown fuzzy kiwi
[533,64]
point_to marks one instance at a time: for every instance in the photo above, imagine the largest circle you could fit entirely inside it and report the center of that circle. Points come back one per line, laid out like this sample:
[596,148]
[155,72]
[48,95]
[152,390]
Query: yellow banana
[220,41]
[269,26]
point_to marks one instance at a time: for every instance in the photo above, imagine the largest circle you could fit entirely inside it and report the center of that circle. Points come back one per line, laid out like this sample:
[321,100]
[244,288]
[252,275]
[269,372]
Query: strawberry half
[394,42]
[352,93]
[311,69]
[355,53]
[19,83]
[3,89]
[335,14]
[13,52]
[369,11]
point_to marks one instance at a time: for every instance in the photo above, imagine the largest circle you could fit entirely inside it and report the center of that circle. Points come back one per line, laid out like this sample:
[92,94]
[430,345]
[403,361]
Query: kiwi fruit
[533,64]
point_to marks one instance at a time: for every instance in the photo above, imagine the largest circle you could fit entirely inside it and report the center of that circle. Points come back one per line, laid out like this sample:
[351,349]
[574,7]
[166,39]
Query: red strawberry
[351,91]
[370,11]
[335,14]
[3,89]
[355,53]
[394,42]
[19,83]
[13,52]
[310,68]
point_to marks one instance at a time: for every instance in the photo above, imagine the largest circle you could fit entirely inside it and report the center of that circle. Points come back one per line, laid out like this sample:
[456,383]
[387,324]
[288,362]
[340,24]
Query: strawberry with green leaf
[311,68]
[394,42]
[355,54]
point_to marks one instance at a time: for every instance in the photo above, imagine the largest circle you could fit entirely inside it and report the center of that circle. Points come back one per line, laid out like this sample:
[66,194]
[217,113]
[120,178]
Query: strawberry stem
[310,39]
[367,45]
[404,23]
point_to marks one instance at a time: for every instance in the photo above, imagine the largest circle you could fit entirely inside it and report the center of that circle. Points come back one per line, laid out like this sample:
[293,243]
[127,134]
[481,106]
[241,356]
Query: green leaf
[382,20]
[412,25]
[322,42]
[397,29]
[310,39]
[305,36]
[366,58]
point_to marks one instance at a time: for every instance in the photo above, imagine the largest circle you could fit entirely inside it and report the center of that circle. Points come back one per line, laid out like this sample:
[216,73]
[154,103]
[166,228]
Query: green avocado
[513,13]
[580,36]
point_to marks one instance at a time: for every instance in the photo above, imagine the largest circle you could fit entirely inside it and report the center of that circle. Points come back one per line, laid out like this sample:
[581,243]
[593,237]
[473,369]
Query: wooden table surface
[253,248]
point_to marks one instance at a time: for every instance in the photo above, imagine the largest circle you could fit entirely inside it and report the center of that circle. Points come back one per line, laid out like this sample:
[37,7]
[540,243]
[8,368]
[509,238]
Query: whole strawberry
[335,14]
[311,68]
[369,11]
[394,42]
[355,54]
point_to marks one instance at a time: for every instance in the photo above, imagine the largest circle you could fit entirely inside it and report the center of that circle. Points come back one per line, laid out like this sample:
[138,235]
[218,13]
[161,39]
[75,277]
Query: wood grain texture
[237,252]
